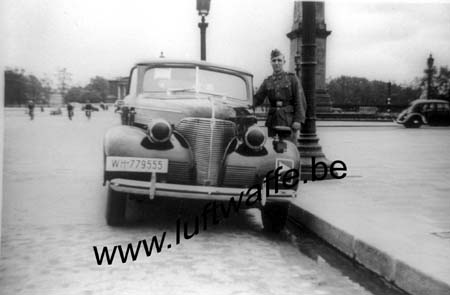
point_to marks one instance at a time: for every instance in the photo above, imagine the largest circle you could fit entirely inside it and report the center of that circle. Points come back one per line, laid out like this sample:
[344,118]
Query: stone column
[323,99]
[308,142]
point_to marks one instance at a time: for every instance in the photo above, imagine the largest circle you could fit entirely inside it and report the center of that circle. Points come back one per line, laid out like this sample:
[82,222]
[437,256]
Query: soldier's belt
[286,108]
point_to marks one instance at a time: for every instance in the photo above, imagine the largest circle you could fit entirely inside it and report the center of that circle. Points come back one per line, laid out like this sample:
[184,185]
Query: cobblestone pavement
[53,208]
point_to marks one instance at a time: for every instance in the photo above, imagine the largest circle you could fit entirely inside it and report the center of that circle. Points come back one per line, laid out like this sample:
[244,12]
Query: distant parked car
[336,110]
[432,112]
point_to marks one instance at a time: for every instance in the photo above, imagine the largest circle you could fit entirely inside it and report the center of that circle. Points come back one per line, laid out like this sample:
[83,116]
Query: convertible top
[164,61]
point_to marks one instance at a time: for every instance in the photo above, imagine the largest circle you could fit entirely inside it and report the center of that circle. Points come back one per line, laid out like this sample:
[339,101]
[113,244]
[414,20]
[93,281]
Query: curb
[395,271]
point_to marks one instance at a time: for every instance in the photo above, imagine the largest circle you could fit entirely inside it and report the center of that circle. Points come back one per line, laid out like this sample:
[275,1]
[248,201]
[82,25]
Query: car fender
[424,120]
[247,168]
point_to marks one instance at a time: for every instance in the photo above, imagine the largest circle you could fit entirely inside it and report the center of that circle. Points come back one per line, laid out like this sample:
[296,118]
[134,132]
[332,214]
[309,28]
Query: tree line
[96,91]
[357,91]
[21,87]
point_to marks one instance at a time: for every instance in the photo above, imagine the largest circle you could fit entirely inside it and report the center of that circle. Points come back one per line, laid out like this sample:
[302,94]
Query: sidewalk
[325,123]
[392,212]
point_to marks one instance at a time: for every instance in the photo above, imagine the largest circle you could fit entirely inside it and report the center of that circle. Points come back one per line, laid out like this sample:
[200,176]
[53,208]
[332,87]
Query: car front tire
[115,208]
[274,216]
[413,122]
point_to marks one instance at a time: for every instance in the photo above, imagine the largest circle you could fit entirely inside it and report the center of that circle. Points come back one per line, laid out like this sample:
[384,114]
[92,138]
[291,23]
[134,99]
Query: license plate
[132,164]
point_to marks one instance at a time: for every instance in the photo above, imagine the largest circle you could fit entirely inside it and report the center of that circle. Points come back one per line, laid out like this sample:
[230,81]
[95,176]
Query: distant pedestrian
[70,110]
[31,109]
[88,109]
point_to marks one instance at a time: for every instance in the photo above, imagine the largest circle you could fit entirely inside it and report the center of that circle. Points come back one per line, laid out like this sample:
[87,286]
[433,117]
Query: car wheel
[413,122]
[274,216]
[115,208]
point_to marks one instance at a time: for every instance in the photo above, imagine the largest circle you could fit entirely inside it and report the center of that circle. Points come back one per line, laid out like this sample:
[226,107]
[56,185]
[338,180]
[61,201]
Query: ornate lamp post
[429,71]
[203,10]
[309,147]
[388,100]
[297,61]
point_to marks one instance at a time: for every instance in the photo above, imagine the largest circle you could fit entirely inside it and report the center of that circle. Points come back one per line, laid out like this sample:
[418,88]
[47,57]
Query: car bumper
[169,190]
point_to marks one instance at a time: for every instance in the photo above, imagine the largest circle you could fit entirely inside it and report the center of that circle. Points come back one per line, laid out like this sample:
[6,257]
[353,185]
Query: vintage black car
[432,112]
[188,132]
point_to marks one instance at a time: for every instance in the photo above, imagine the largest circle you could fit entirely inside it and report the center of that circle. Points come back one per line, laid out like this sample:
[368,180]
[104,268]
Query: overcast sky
[381,40]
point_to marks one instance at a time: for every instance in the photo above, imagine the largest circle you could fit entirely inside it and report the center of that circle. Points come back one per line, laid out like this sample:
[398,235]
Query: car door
[424,109]
[443,114]
[431,114]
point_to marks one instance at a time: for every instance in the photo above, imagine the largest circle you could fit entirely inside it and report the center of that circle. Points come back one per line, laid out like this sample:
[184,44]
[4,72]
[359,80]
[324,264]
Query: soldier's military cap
[275,53]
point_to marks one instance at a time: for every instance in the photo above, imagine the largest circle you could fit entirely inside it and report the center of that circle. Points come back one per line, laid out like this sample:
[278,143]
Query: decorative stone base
[309,148]
[323,101]
[307,152]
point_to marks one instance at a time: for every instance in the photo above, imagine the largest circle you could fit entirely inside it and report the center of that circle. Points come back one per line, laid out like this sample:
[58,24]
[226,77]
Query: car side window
[442,107]
[133,82]
[424,108]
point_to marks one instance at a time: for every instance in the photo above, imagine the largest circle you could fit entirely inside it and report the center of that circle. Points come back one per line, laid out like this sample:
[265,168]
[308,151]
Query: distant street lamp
[388,100]
[203,10]
[429,72]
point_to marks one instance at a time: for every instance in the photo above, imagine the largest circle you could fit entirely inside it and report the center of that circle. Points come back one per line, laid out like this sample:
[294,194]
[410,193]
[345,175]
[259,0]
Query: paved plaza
[53,215]
[391,214]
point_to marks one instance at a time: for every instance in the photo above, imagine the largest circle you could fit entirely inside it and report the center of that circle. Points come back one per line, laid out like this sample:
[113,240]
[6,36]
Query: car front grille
[208,139]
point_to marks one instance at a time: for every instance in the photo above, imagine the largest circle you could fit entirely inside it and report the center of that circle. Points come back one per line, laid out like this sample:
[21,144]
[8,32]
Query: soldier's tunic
[286,98]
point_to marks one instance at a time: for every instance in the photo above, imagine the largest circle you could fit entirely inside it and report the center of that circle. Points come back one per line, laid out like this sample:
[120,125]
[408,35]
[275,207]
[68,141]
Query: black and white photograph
[255,147]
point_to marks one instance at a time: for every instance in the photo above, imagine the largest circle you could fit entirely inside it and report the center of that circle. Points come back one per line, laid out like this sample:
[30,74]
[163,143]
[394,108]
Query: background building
[118,88]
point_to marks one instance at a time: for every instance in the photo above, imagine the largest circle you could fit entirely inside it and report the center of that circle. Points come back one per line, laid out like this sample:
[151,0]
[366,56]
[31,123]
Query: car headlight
[159,130]
[255,138]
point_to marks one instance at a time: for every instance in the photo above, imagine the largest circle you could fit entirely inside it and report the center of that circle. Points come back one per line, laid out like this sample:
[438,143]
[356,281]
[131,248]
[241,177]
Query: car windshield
[175,81]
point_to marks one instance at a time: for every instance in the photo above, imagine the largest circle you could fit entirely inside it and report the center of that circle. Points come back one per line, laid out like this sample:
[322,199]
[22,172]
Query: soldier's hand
[296,125]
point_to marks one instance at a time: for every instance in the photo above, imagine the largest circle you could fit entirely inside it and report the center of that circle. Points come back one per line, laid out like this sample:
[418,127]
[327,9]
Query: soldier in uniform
[285,94]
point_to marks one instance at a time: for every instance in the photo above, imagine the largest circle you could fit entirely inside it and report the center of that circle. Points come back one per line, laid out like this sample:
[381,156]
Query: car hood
[174,109]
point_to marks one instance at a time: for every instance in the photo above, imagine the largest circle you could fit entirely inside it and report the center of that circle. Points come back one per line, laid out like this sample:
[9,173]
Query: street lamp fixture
[203,7]
[203,10]
[430,61]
